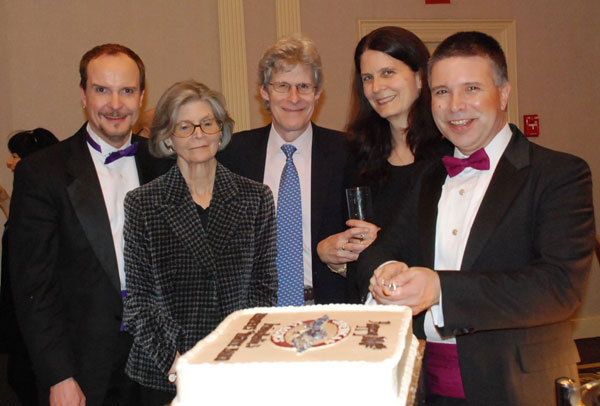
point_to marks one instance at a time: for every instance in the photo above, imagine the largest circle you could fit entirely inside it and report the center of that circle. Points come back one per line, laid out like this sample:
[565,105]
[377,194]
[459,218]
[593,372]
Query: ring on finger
[391,286]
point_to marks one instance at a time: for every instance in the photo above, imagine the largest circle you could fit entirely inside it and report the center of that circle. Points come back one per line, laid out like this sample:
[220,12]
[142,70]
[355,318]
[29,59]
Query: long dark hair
[370,134]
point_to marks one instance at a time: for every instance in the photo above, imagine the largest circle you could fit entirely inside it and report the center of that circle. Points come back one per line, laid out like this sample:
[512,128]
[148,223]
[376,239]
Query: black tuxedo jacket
[63,265]
[522,276]
[246,155]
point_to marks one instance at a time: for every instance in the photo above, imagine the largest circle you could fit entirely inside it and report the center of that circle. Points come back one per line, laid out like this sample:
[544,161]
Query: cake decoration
[258,337]
[371,339]
[326,332]
[254,321]
[234,345]
[304,339]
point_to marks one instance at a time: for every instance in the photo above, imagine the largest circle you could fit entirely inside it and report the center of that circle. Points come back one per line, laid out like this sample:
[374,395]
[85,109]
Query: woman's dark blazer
[183,280]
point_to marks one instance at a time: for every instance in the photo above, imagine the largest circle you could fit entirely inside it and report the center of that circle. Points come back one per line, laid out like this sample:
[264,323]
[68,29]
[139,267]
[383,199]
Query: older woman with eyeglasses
[199,241]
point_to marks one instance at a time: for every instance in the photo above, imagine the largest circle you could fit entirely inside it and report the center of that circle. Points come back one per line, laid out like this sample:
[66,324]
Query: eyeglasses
[184,129]
[285,87]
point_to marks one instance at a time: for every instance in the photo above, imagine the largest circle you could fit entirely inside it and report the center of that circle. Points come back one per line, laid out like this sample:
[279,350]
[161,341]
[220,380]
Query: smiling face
[390,86]
[112,97]
[198,148]
[468,108]
[291,111]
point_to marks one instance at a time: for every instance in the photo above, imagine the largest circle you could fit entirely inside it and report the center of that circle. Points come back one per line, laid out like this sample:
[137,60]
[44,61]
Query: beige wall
[41,42]
[44,40]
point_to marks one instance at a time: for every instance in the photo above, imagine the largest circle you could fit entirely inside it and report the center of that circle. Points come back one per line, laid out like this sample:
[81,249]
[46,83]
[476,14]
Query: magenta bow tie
[478,160]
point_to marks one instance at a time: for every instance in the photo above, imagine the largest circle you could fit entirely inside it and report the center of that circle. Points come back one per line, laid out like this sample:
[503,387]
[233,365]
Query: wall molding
[432,32]
[232,48]
[287,17]
[234,76]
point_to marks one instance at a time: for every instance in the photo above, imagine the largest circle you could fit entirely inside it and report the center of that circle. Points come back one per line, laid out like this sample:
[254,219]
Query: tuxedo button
[454,232]
[461,192]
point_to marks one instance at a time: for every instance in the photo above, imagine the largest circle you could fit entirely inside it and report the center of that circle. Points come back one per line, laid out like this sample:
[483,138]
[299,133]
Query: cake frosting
[302,355]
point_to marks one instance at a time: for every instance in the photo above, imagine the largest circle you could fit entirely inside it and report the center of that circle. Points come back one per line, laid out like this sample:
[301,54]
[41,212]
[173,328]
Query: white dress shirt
[274,163]
[458,205]
[116,179]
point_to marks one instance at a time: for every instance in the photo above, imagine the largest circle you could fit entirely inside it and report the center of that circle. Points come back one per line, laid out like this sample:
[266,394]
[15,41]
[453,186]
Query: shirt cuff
[437,312]
[385,263]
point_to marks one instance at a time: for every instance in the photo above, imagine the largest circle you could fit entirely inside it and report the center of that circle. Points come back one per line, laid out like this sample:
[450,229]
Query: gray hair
[167,109]
[287,53]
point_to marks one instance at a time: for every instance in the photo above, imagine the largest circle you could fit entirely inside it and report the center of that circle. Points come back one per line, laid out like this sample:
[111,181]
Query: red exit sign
[531,125]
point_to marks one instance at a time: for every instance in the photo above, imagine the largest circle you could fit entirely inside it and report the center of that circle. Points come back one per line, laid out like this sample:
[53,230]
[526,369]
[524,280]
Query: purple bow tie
[129,151]
[113,156]
[478,160]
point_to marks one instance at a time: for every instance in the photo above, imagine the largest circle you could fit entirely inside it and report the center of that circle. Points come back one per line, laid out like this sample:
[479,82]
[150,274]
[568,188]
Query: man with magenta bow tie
[493,249]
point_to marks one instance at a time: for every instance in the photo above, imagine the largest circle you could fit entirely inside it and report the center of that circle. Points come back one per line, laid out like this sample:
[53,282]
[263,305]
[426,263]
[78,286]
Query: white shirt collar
[302,143]
[495,148]
[104,146]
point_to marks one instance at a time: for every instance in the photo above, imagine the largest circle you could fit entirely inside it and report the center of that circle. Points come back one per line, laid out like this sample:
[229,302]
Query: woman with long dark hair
[390,131]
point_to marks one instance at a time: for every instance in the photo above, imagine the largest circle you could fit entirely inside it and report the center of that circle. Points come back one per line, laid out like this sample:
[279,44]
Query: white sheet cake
[367,354]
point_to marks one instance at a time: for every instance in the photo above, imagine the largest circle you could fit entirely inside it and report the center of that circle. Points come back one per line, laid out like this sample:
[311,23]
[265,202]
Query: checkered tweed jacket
[183,280]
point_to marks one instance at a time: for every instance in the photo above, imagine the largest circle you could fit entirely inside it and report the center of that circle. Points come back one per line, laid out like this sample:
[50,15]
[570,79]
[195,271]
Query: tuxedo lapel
[143,162]
[319,177]
[257,154]
[507,181]
[431,190]
[322,168]
[86,197]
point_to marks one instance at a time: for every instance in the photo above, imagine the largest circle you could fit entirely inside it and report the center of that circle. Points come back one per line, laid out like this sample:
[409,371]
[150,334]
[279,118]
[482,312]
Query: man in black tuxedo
[508,227]
[291,83]
[66,242]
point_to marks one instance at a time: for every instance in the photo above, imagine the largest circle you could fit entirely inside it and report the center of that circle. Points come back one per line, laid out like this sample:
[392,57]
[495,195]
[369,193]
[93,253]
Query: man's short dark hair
[110,49]
[473,43]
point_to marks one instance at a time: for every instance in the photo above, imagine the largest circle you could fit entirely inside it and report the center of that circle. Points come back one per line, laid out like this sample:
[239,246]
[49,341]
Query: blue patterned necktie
[290,266]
